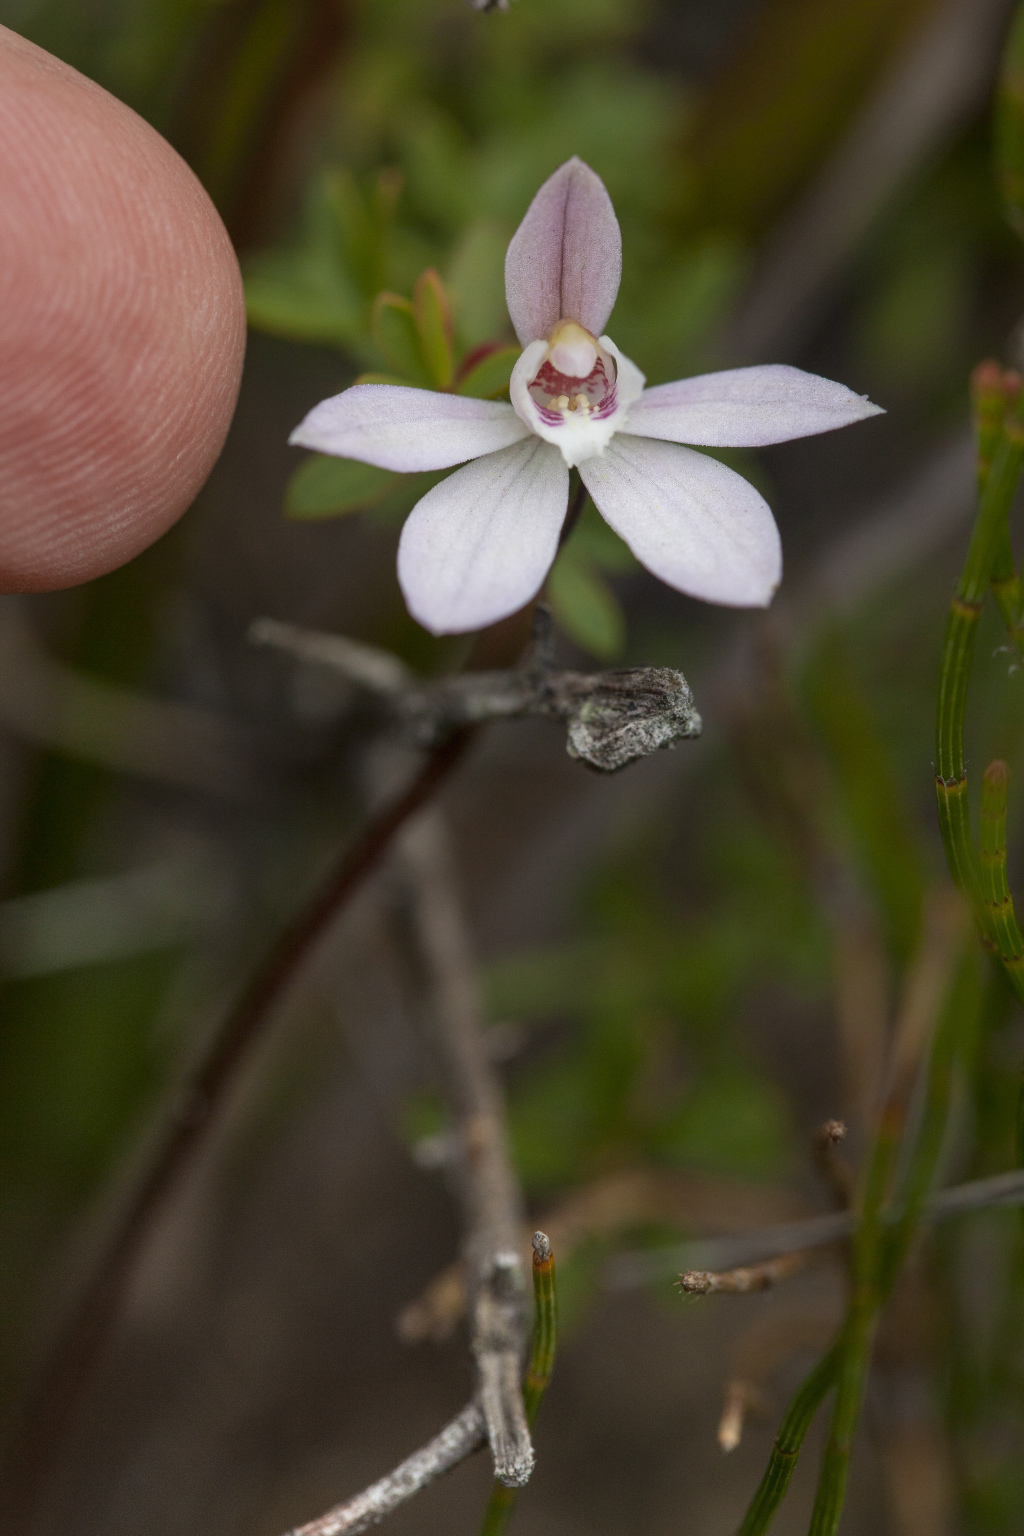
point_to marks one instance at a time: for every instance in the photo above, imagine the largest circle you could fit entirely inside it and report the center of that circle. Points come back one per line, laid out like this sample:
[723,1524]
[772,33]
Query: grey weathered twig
[440,954]
[628,1270]
[465,1434]
[612,717]
[488,1186]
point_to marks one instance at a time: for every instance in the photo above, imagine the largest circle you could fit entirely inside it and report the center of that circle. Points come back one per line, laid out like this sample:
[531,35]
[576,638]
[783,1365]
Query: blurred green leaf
[433,317]
[731,1122]
[585,606]
[257,64]
[396,334]
[324,486]
[600,543]
[785,94]
[364,222]
[400,500]
[488,376]
[476,281]
[294,294]
[305,291]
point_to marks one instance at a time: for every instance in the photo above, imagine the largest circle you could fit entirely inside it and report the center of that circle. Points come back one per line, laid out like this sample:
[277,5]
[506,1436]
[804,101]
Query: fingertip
[122,327]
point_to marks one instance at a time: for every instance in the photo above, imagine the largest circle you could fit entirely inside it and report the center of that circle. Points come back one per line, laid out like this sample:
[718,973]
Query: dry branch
[602,1209]
[628,1270]
[190,1119]
[490,1193]
[466,1433]
[741,1281]
[612,718]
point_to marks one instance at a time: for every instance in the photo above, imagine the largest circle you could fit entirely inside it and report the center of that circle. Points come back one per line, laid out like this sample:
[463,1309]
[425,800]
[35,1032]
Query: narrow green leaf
[433,315]
[327,487]
[306,291]
[585,606]
[394,330]
[488,373]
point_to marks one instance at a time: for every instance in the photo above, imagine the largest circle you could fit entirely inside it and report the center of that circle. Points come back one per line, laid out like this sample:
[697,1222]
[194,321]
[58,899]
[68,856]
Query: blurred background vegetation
[689,966]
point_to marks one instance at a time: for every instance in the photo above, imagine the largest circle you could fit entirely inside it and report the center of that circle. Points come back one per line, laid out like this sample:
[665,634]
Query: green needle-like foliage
[542,1363]
[792,1433]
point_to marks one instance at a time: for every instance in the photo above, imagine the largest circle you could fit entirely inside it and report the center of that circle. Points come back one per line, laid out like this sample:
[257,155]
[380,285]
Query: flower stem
[542,1361]
[577,501]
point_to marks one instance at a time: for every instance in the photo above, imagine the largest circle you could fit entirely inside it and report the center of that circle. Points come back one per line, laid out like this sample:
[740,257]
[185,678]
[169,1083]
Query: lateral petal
[747,407]
[564,261]
[478,546]
[396,427]
[694,523]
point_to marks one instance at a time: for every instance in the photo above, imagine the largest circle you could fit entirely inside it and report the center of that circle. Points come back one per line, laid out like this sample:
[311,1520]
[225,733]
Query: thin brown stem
[577,501]
[52,1407]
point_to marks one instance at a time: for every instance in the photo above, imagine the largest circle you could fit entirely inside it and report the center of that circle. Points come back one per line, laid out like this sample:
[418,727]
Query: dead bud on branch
[612,718]
[741,1281]
[836,1174]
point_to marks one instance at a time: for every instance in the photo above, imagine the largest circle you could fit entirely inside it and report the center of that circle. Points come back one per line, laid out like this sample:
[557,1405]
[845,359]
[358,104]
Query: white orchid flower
[479,544]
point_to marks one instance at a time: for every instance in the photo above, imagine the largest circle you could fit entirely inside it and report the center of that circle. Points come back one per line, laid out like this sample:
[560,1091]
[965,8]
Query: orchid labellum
[478,545]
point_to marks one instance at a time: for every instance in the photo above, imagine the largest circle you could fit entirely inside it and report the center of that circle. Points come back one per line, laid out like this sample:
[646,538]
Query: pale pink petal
[564,261]
[406,429]
[478,546]
[697,525]
[747,407]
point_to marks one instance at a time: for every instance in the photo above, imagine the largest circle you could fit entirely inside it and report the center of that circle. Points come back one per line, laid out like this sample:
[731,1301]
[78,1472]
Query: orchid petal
[694,523]
[405,429]
[564,261]
[478,546]
[747,407]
